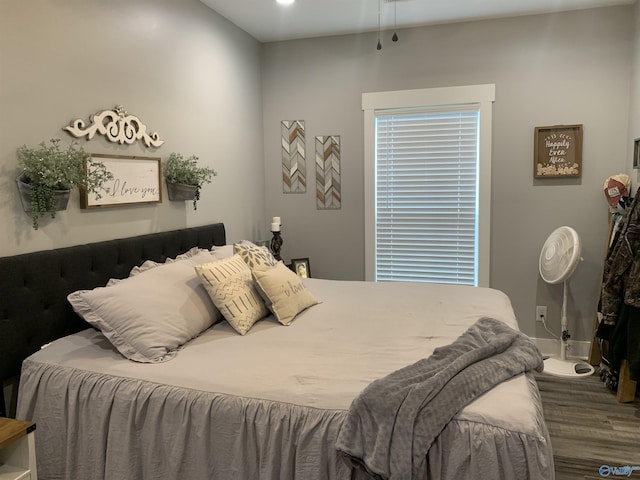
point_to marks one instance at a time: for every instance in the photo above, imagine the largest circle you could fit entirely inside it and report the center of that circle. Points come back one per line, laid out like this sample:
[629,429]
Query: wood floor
[589,428]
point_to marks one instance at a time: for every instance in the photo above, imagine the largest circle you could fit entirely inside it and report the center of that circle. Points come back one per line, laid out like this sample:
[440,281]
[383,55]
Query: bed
[266,404]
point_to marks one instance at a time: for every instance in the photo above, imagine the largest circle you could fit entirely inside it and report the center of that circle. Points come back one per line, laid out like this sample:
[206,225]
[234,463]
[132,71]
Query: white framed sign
[136,180]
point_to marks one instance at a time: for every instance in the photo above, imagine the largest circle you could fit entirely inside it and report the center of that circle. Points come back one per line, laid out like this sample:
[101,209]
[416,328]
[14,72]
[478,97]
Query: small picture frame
[301,267]
[557,151]
[636,153]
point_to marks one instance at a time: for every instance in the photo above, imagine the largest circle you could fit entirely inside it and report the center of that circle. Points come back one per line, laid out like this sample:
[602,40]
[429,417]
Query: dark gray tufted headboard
[34,286]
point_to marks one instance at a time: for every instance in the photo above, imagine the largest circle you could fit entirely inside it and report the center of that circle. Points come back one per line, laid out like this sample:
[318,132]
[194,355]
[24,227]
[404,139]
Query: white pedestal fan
[559,258]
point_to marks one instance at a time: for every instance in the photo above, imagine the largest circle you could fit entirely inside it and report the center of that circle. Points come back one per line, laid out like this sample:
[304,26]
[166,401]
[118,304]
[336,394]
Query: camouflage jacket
[621,278]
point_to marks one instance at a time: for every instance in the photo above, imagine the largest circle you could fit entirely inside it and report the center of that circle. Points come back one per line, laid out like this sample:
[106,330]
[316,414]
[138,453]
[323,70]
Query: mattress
[269,405]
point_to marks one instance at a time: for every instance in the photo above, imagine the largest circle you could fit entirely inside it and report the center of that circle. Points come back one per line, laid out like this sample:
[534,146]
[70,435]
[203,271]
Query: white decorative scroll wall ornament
[117,125]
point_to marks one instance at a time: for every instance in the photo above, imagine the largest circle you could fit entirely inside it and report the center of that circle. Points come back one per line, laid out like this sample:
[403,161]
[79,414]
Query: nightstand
[17,450]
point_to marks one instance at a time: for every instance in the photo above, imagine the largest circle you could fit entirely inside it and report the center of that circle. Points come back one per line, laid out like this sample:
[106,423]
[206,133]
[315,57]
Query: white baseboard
[550,346]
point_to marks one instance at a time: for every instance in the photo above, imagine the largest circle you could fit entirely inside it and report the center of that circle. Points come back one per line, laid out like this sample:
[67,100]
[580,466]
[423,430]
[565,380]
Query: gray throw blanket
[391,425]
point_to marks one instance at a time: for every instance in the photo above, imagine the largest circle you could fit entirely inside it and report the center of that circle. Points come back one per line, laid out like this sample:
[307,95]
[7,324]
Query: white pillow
[149,316]
[149,264]
[283,291]
[222,251]
[231,288]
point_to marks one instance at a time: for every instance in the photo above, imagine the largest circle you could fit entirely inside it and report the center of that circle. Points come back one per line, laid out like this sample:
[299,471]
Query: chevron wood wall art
[328,187]
[294,166]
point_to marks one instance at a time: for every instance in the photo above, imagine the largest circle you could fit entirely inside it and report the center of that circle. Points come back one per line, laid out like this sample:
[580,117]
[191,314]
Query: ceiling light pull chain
[395,22]
[379,46]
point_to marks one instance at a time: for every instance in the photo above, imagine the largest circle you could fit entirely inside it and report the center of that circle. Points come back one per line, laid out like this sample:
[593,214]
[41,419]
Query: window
[427,183]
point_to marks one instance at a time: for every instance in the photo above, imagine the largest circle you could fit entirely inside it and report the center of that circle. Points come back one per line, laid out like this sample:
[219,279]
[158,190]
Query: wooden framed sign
[557,151]
[136,180]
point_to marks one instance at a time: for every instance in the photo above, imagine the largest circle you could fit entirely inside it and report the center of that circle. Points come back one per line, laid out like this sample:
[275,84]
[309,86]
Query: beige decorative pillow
[285,294]
[258,258]
[230,286]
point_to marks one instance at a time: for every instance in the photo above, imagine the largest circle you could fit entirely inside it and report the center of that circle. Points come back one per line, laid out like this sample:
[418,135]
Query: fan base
[567,368]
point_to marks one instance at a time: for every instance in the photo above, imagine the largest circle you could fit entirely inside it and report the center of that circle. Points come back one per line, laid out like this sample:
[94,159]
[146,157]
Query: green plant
[178,169]
[48,168]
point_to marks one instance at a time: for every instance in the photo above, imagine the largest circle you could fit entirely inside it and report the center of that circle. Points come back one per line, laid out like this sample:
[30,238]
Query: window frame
[482,95]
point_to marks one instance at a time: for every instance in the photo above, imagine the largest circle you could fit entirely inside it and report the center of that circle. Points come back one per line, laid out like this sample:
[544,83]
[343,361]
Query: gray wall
[566,68]
[185,71]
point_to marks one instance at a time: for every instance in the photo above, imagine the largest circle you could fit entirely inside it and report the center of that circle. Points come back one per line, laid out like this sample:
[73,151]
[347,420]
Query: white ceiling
[268,21]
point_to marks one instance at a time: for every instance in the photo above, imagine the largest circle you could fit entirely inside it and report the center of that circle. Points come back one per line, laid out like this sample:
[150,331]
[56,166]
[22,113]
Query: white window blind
[421,235]
[426,195]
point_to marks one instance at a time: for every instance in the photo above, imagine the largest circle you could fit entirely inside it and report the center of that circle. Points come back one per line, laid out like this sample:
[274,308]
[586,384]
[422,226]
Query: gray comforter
[269,405]
[391,425]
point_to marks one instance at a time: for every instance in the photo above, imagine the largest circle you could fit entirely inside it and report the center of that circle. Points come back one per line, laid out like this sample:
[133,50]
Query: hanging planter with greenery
[50,173]
[185,178]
